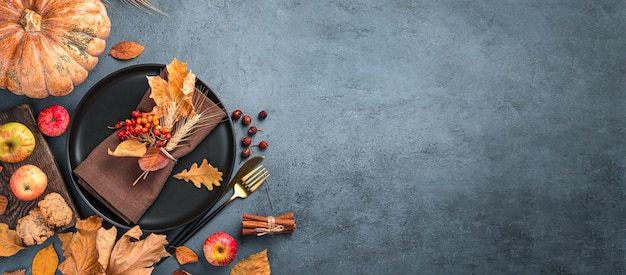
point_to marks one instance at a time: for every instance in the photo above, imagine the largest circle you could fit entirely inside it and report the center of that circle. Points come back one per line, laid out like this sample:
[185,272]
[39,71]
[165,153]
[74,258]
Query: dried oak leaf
[184,255]
[257,264]
[205,174]
[45,261]
[79,249]
[129,148]
[126,50]
[153,160]
[15,272]
[10,242]
[131,255]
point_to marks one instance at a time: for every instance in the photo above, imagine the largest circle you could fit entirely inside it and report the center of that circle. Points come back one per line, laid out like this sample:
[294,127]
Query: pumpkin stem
[30,21]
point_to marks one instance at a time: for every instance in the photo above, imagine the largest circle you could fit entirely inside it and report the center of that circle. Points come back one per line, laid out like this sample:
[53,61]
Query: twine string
[271,227]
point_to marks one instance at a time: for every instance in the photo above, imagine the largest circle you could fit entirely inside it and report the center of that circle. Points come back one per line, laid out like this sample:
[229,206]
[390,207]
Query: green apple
[17,142]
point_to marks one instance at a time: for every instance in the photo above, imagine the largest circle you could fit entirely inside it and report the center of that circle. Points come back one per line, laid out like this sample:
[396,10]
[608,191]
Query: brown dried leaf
[105,241]
[126,50]
[173,98]
[257,264]
[184,255]
[79,249]
[129,148]
[4,202]
[205,174]
[133,256]
[16,272]
[153,160]
[10,242]
[45,261]
[180,272]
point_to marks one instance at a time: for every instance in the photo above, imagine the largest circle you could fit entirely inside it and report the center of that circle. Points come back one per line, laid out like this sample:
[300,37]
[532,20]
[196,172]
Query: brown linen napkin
[110,178]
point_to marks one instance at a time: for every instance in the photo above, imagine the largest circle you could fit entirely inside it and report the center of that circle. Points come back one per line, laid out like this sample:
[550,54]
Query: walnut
[55,210]
[33,228]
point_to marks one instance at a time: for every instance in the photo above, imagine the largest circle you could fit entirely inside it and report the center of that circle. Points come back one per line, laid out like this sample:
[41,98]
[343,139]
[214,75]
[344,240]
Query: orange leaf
[16,272]
[10,242]
[180,272]
[153,160]
[105,241]
[129,148]
[79,249]
[134,256]
[255,264]
[205,174]
[173,98]
[126,50]
[45,261]
[185,255]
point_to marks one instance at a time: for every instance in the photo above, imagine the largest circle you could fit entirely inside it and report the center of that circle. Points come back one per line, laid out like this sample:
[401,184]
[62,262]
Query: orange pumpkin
[47,47]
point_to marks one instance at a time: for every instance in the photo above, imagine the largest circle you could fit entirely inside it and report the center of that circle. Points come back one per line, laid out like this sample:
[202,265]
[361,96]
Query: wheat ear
[144,5]
[182,132]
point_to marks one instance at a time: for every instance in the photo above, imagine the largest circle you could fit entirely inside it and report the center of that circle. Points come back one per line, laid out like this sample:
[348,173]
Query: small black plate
[112,99]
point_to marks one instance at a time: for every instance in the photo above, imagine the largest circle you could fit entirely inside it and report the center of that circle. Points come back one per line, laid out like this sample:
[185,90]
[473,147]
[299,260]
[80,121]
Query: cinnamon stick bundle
[260,225]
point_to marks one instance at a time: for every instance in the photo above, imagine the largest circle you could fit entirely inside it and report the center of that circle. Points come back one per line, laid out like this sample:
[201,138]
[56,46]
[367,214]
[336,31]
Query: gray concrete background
[410,137]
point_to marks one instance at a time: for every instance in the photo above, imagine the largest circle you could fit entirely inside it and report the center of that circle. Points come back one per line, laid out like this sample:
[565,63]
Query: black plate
[112,99]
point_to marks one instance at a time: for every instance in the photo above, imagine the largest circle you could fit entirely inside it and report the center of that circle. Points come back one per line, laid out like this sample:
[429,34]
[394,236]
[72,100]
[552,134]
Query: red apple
[17,142]
[53,120]
[220,249]
[28,182]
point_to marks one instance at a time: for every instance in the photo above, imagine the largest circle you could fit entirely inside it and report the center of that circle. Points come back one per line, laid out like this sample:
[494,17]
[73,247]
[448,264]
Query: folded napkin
[110,179]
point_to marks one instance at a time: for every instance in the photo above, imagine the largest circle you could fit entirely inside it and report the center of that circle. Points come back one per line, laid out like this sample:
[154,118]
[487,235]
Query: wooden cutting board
[42,158]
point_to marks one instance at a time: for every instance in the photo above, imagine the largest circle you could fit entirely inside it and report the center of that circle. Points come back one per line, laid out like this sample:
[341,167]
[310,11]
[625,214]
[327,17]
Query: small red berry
[246,120]
[119,124]
[252,130]
[263,144]
[262,114]
[236,114]
[245,153]
[246,141]
[136,114]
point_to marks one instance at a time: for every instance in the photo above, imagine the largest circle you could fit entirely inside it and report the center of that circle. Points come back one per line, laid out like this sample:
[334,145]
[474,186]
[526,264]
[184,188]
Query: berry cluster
[246,141]
[143,127]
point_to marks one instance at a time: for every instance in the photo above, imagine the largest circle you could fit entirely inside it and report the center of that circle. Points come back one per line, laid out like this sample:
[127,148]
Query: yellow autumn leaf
[45,261]
[10,242]
[131,255]
[205,174]
[173,98]
[105,240]
[184,255]
[257,264]
[79,249]
[129,148]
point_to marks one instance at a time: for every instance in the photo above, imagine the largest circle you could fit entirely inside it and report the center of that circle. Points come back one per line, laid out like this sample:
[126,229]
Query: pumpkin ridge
[31,69]
[78,54]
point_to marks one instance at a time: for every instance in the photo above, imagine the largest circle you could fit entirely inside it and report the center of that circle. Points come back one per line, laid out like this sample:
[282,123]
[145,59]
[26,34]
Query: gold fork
[248,184]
